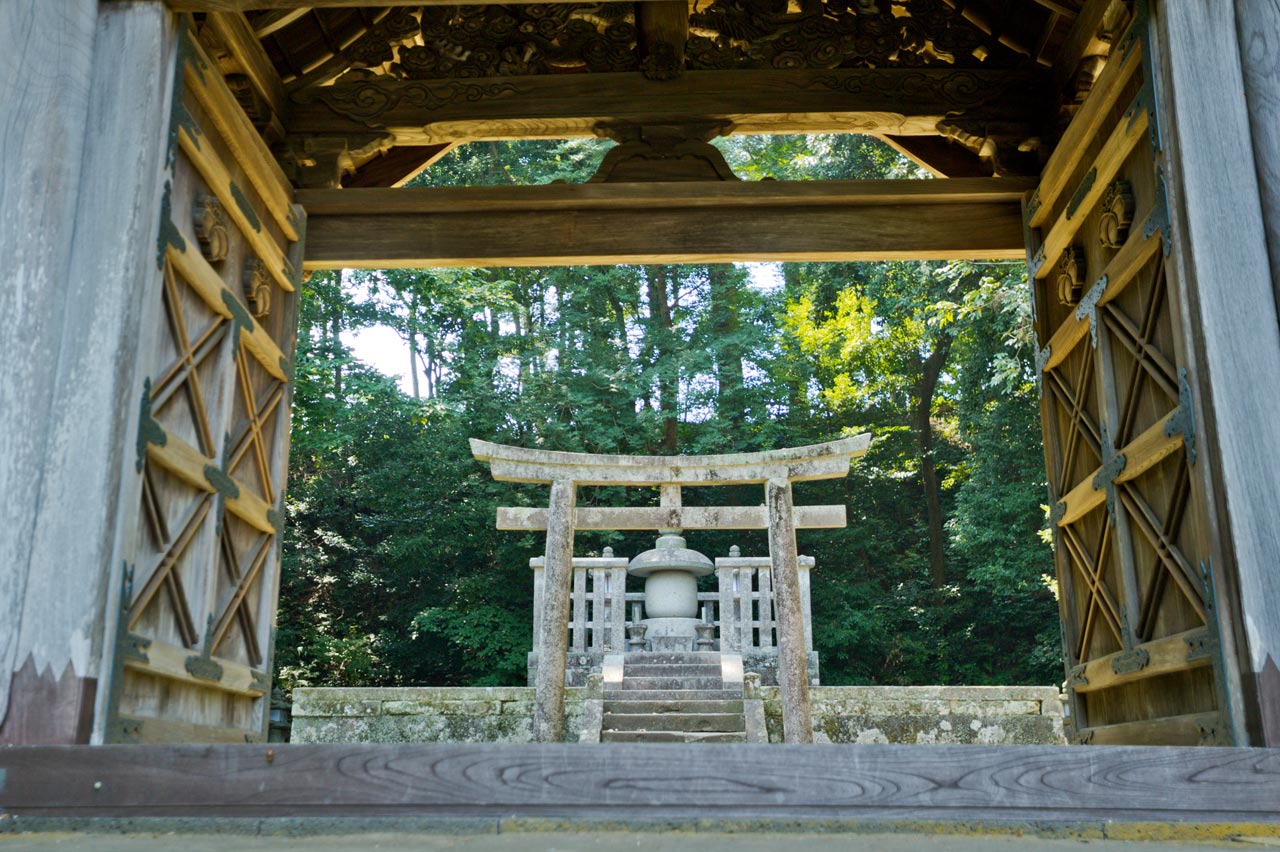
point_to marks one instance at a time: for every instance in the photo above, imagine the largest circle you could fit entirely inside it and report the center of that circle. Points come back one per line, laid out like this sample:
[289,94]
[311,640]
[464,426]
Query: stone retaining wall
[423,714]
[842,714]
[990,715]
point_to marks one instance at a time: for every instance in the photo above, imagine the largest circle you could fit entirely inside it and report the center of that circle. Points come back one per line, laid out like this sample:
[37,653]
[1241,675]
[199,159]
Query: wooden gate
[1133,541]
[195,633]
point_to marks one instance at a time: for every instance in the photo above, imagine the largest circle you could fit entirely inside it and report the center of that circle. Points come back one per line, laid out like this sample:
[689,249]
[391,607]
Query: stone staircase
[674,698]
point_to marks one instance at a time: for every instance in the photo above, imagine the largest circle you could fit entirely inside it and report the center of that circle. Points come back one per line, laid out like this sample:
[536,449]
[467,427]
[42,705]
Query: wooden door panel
[199,605]
[1133,547]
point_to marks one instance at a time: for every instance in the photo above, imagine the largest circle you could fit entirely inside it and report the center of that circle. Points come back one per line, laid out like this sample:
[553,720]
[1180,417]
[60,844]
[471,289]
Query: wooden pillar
[1220,255]
[553,639]
[84,157]
[1258,26]
[793,668]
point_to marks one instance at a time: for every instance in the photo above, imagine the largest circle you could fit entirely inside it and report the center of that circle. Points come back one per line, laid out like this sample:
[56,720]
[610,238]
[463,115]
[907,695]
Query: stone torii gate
[776,470]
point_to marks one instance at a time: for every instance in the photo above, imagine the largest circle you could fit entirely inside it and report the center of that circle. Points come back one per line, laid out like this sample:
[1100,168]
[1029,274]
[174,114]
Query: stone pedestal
[671,634]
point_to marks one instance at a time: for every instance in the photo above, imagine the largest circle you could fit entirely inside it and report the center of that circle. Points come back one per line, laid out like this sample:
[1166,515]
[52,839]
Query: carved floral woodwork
[667,153]
[835,34]
[501,41]
[1071,273]
[1117,215]
[210,222]
[486,41]
[257,283]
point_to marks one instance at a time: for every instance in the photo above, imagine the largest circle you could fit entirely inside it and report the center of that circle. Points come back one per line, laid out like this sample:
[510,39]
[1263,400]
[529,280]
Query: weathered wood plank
[1220,260]
[1258,25]
[661,196]
[165,731]
[79,183]
[1191,729]
[895,101]
[1164,656]
[644,780]
[679,518]
[169,661]
[681,235]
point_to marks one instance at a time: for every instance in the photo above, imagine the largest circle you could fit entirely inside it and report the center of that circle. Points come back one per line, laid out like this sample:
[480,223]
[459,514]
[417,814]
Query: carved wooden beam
[702,222]
[940,156]
[254,5]
[662,30]
[396,166]
[877,101]
[1085,40]
[244,56]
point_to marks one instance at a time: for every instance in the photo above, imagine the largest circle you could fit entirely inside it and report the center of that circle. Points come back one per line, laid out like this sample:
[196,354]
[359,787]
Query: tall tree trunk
[668,381]
[726,321]
[431,369]
[413,344]
[930,371]
[335,340]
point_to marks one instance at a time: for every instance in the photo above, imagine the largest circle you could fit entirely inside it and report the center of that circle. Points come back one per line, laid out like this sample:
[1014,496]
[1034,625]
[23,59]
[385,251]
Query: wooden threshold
[970,218]
[646,781]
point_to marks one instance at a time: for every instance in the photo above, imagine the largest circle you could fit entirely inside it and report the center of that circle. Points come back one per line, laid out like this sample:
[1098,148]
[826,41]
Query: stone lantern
[671,592]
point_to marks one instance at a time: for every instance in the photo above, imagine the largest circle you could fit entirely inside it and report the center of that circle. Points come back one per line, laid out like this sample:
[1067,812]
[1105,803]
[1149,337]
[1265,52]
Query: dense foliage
[394,573]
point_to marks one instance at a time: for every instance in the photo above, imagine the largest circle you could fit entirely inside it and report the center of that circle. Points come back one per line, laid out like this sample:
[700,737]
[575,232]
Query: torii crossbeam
[774,469]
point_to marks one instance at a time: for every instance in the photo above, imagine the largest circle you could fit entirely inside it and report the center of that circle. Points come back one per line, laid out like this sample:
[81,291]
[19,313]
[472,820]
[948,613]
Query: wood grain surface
[646,781]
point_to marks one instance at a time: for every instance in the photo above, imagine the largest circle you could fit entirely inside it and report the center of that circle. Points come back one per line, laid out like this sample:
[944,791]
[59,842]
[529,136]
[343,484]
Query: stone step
[671,670]
[672,694]
[722,722]
[682,658]
[679,683]
[676,705]
[673,737]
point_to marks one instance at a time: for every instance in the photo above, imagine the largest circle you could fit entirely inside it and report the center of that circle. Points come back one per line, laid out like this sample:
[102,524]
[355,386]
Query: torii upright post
[553,637]
[793,658]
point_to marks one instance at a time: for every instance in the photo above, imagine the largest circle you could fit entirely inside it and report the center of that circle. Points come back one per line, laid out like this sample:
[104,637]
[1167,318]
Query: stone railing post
[539,577]
[793,668]
[729,639]
[553,635]
[617,608]
[805,604]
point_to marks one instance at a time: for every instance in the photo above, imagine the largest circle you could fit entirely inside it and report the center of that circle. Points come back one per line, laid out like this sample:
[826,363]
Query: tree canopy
[394,573]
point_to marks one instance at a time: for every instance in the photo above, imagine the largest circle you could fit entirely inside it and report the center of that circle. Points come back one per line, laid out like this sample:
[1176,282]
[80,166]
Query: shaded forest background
[394,573]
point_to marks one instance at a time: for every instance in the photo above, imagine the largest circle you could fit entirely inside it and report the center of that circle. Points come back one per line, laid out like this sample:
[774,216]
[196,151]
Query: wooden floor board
[1018,783]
